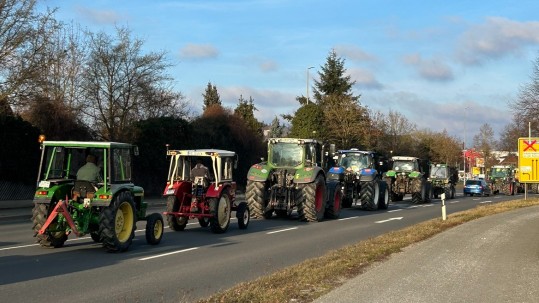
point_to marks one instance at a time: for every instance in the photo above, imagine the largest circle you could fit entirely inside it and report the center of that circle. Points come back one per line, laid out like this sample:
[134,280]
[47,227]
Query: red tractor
[209,195]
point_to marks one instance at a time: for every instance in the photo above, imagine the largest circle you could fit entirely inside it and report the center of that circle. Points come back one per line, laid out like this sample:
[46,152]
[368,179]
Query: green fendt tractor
[407,177]
[292,178]
[502,179]
[107,208]
[443,179]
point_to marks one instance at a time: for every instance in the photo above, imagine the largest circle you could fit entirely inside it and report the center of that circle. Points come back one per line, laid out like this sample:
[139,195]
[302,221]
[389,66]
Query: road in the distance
[191,264]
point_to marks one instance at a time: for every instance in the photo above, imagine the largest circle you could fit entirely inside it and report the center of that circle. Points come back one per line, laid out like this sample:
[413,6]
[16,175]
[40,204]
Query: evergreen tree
[211,97]
[333,80]
[245,110]
[276,129]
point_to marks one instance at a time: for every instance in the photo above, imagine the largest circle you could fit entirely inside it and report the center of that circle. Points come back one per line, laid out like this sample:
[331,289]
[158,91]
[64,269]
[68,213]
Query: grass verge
[315,277]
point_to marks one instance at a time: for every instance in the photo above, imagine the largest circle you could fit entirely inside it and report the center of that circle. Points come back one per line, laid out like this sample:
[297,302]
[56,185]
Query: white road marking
[488,201]
[452,202]
[390,219]
[394,210]
[168,254]
[281,230]
[342,219]
[22,246]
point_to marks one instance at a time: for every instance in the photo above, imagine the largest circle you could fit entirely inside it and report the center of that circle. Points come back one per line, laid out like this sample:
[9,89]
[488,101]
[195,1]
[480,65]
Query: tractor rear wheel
[313,200]
[175,223]
[220,210]
[335,201]
[52,238]
[254,194]
[370,195]
[117,223]
[417,191]
[154,228]
[204,221]
[383,202]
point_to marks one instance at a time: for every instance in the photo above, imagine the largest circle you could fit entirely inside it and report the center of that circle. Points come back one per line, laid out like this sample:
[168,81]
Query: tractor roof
[353,150]
[201,153]
[404,158]
[84,144]
[291,140]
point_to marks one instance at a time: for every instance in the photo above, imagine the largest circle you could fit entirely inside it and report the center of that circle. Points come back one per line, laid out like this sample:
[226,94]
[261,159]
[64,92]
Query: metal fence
[16,191]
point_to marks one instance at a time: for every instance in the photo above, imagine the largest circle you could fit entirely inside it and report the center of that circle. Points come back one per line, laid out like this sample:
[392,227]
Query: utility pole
[308,83]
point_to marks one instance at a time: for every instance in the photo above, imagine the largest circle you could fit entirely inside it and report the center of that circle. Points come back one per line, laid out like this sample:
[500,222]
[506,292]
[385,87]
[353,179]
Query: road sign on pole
[528,160]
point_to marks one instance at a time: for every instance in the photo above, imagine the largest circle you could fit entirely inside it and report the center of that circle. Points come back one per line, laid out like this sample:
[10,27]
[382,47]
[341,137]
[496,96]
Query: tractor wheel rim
[337,201]
[157,229]
[224,212]
[124,221]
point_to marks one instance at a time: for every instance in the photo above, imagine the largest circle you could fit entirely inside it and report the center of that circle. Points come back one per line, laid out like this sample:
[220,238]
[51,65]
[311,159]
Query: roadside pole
[444,216]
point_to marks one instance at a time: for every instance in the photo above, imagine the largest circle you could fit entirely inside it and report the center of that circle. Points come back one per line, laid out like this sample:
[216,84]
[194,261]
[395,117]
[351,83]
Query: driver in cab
[89,171]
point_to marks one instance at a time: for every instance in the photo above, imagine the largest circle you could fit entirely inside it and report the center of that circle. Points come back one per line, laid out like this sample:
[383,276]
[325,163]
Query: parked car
[477,187]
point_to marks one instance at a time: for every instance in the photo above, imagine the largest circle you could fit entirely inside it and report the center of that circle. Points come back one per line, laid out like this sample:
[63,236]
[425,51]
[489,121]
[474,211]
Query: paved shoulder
[492,259]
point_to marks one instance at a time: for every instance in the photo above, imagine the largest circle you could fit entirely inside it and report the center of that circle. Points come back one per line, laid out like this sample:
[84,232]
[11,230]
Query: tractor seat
[83,189]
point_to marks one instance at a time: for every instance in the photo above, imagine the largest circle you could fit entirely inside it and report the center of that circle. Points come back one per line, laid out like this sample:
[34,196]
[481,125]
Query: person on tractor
[199,170]
[89,171]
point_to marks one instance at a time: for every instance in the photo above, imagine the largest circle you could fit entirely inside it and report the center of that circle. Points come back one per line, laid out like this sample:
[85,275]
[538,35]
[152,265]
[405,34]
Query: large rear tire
[333,211]
[50,239]
[220,210]
[313,200]
[175,223]
[255,196]
[117,223]
[418,191]
[370,195]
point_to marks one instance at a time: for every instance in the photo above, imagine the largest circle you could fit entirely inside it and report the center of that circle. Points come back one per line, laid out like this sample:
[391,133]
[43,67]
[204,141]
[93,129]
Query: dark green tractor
[291,179]
[407,176]
[107,208]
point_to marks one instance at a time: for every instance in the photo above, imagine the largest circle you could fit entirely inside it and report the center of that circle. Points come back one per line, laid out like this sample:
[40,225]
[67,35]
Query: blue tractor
[356,174]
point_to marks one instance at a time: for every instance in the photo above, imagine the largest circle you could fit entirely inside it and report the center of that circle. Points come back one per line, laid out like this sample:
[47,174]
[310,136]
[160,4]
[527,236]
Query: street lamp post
[308,83]
[464,155]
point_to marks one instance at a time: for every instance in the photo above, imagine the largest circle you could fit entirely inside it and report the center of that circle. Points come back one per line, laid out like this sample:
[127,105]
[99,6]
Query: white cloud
[99,16]
[495,38]
[268,66]
[430,69]
[354,53]
[198,51]
[364,78]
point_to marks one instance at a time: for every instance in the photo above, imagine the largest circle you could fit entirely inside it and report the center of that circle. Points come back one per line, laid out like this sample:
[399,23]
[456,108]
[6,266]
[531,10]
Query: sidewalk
[491,259]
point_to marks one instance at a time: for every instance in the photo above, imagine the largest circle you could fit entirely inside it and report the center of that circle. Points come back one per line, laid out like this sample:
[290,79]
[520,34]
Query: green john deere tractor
[107,208]
[291,179]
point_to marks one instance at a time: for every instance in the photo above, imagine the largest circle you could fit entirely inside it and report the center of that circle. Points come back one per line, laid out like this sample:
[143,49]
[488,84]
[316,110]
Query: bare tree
[22,40]
[526,107]
[122,85]
[347,122]
[484,142]
[398,132]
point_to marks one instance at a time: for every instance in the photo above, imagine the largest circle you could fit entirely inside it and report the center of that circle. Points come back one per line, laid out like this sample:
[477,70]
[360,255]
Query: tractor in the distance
[407,176]
[208,195]
[443,178]
[502,179]
[107,208]
[359,179]
[292,178]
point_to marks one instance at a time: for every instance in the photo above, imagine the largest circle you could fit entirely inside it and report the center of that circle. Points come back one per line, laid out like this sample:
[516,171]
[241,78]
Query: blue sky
[429,60]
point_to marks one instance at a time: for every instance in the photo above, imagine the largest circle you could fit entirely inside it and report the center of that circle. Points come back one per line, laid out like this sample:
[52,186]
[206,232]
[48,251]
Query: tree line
[72,84]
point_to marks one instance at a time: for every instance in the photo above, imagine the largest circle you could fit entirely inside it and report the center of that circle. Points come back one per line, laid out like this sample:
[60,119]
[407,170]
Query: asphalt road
[192,264]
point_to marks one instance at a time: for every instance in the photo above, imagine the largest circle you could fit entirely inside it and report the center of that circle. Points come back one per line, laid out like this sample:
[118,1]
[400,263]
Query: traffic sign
[528,160]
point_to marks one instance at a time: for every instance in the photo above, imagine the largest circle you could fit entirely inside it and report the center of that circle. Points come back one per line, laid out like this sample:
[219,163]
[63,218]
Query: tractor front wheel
[370,195]
[52,237]
[154,228]
[335,201]
[117,223]
[243,215]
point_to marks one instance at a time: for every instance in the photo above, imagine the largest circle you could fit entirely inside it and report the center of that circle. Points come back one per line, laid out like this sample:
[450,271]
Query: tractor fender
[336,173]
[44,195]
[215,192]
[308,174]
[259,172]
[178,188]
[390,174]
[367,174]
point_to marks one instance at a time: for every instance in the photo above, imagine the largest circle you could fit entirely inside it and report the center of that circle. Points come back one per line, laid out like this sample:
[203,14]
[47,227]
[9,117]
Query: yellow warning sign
[528,159]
